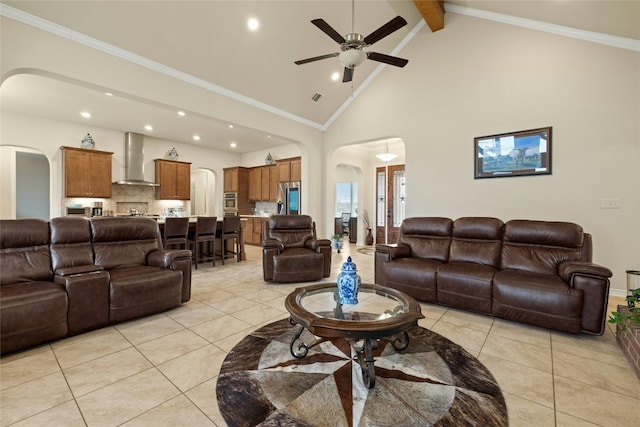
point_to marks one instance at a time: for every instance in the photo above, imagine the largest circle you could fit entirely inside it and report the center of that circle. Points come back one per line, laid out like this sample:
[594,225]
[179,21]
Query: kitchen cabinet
[253,230]
[263,184]
[289,170]
[296,170]
[236,180]
[174,179]
[255,184]
[87,173]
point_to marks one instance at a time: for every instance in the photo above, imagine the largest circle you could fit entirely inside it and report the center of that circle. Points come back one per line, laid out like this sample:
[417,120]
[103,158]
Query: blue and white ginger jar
[348,283]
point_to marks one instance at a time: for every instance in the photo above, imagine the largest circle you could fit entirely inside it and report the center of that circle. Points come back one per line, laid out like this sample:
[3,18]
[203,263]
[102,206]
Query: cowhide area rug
[433,382]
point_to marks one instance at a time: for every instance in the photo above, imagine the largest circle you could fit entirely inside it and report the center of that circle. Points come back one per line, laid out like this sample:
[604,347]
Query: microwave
[79,211]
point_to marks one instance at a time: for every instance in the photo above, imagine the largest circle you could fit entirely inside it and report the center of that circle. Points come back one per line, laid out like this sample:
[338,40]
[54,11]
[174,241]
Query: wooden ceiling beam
[433,13]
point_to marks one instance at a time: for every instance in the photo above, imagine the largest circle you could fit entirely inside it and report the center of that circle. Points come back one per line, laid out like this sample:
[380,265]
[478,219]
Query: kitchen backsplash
[127,198]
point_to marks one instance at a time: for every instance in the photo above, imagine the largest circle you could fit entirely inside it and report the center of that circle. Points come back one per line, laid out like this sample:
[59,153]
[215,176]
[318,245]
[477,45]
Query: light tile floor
[161,370]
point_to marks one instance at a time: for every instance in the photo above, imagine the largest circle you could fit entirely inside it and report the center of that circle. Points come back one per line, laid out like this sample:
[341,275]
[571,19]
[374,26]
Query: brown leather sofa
[291,252]
[72,275]
[534,272]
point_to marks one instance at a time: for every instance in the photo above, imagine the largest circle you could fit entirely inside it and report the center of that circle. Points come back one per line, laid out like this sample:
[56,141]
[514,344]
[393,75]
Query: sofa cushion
[477,240]
[540,246]
[291,230]
[413,276]
[298,265]
[24,251]
[538,299]
[119,242]
[31,313]
[70,242]
[140,290]
[428,238]
[466,285]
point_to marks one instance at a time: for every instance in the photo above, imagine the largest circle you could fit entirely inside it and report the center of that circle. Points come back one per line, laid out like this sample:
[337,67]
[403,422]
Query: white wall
[477,78]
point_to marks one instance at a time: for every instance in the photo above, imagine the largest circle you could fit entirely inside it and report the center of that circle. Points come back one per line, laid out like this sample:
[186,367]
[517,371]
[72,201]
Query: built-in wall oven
[230,203]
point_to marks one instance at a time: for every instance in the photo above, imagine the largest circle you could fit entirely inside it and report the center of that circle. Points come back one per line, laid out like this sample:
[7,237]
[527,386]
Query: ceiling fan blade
[348,75]
[387,59]
[388,28]
[316,58]
[328,30]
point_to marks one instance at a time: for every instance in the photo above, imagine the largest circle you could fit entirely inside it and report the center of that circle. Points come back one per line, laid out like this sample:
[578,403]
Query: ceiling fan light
[351,58]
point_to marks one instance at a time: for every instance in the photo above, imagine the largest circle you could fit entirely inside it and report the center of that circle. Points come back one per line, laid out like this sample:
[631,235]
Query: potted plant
[628,318]
[336,242]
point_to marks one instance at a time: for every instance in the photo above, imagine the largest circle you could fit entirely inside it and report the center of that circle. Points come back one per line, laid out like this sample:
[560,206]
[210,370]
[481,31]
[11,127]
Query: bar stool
[175,232]
[205,234]
[230,231]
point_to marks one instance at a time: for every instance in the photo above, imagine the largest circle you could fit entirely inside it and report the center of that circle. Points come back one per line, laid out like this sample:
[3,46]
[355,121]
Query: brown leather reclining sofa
[71,275]
[534,272]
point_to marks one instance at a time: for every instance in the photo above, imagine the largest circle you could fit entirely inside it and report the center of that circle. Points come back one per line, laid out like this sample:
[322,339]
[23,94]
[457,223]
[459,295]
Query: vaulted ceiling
[209,42]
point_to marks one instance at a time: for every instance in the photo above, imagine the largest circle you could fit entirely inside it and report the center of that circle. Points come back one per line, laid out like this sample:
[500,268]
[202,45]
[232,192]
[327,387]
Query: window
[346,198]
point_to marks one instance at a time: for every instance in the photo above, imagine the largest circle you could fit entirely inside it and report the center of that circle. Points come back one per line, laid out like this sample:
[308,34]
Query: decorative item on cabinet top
[173,154]
[88,142]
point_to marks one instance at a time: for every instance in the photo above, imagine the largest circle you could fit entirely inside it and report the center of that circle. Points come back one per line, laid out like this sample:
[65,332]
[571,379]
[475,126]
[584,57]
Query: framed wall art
[526,152]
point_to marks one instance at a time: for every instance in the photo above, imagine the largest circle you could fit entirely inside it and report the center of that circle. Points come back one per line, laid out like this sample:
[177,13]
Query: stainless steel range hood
[134,160]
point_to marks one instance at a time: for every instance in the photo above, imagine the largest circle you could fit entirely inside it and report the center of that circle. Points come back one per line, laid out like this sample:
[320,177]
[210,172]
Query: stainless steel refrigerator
[289,198]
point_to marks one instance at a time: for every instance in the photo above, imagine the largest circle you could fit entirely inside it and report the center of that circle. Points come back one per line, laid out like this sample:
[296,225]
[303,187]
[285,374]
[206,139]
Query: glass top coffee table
[380,314]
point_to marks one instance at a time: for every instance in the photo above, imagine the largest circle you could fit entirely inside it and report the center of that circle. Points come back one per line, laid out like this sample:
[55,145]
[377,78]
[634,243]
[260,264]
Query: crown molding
[590,36]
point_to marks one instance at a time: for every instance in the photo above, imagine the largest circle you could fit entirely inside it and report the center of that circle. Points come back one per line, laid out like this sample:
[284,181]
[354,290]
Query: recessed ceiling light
[148,127]
[268,136]
[85,114]
[182,113]
[253,24]
[108,93]
[335,76]
[231,126]
[233,145]
[196,137]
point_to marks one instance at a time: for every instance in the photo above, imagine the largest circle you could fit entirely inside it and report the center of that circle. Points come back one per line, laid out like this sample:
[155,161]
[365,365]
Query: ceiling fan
[352,45]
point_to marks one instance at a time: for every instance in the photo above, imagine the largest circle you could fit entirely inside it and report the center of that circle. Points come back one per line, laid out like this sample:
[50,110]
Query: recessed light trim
[230,126]
[108,93]
[148,127]
[85,114]
[196,137]
[335,76]
[233,145]
[182,113]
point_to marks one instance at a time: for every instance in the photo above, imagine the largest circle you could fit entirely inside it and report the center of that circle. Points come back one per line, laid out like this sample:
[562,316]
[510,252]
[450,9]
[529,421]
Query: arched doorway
[26,187]
[203,192]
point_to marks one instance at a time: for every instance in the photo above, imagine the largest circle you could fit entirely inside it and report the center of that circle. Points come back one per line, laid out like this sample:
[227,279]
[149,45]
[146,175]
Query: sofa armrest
[567,269]
[178,260]
[316,244]
[88,297]
[78,269]
[394,250]
[593,281]
[273,244]
[166,258]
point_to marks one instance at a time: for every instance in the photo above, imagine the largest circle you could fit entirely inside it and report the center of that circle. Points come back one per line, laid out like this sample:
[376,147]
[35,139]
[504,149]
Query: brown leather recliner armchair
[291,252]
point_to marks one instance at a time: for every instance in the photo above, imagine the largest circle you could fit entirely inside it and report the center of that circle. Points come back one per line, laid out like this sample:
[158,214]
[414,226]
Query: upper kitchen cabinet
[174,178]
[236,180]
[263,184]
[87,173]
[289,170]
